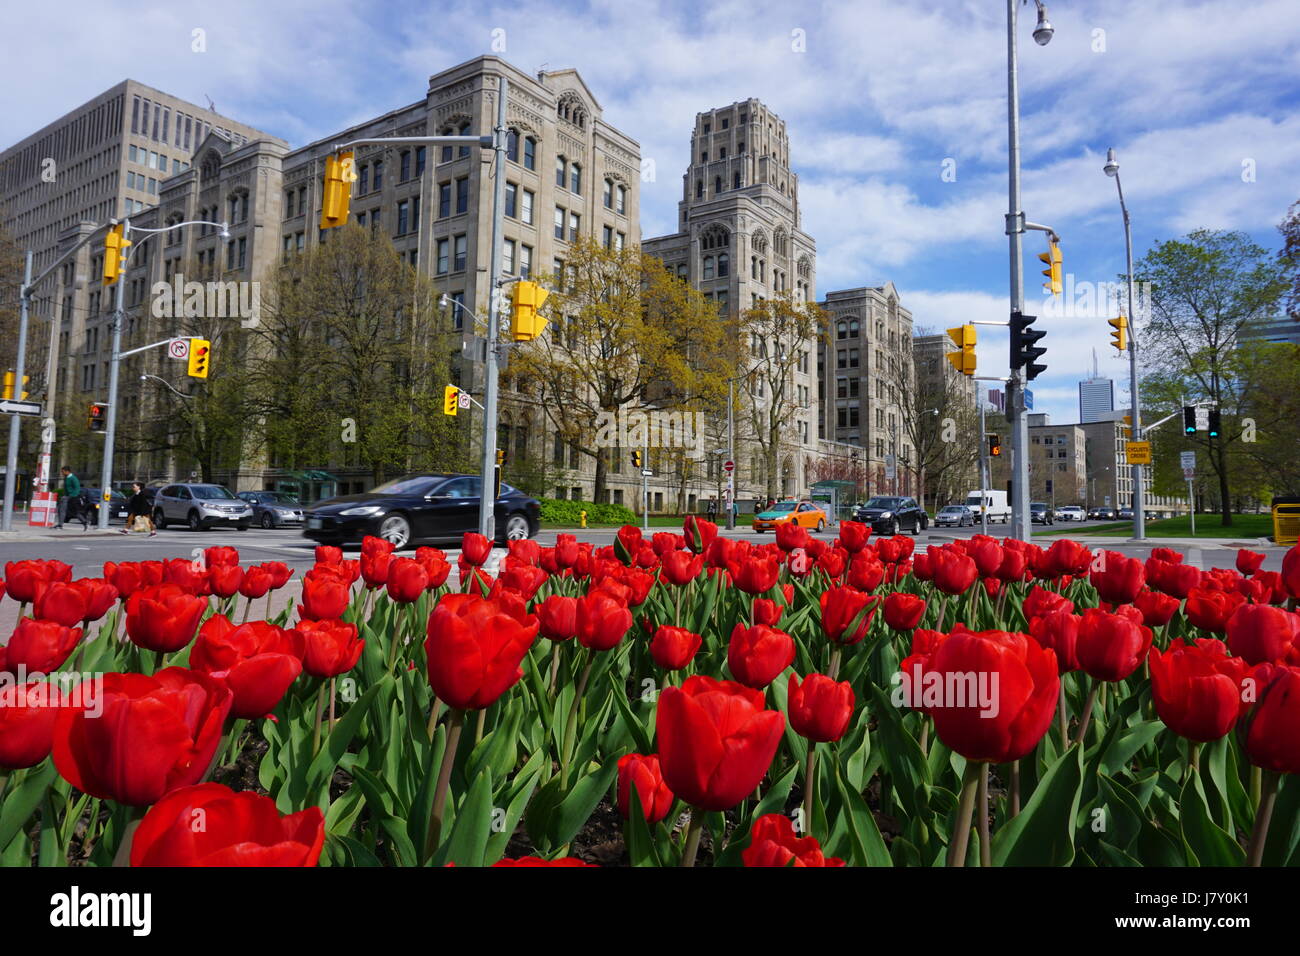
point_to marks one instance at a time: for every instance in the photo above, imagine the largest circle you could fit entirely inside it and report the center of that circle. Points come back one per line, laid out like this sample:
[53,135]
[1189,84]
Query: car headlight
[886,514]
[363,510]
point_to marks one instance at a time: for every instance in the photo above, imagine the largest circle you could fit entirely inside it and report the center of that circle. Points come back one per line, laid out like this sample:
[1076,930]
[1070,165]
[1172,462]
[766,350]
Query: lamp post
[1139,517]
[1015,230]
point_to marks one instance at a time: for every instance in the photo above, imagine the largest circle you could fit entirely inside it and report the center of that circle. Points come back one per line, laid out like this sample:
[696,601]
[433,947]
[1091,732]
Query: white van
[994,501]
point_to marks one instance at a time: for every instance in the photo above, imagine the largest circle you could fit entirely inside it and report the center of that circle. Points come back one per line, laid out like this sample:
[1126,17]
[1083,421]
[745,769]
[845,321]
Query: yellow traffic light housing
[501,457]
[636,459]
[9,385]
[963,336]
[115,246]
[450,400]
[1119,338]
[1052,257]
[200,358]
[526,301]
[336,195]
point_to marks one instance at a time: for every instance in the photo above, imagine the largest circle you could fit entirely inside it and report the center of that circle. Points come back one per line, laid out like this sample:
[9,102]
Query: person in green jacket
[70,499]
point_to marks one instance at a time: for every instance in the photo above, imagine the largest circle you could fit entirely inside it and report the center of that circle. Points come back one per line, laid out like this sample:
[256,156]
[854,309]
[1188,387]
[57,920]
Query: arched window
[842,330]
[717,185]
[464,131]
[447,149]
[561,169]
[724,265]
[735,180]
[608,196]
[699,189]
[512,146]
[530,153]
[854,328]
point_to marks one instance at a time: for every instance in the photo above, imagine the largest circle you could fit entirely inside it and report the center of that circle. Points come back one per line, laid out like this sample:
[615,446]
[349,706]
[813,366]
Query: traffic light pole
[487,504]
[1139,516]
[1015,230]
[110,420]
[15,428]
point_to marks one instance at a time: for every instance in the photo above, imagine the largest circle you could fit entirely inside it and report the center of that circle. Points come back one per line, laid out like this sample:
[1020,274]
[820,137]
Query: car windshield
[782,507]
[1038,505]
[281,498]
[886,503]
[210,491]
[954,509]
[974,500]
[413,485]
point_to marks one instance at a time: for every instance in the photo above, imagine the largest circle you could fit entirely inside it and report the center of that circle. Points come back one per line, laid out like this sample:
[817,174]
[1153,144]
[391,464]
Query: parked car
[889,515]
[117,512]
[1040,513]
[1071,513]
[954,516]
[803,513]
[420,508]
[274,509]
[1101,514]
[1126,514]
[200,507]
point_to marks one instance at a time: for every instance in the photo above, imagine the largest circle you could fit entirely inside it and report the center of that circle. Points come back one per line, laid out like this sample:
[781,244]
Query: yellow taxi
[803,513]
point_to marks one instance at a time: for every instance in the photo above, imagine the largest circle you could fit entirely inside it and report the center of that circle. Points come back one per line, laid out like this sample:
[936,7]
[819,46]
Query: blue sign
[1029,400]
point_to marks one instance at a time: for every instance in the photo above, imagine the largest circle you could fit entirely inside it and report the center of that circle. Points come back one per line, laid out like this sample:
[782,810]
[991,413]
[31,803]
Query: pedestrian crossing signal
[200,358]
[96,417]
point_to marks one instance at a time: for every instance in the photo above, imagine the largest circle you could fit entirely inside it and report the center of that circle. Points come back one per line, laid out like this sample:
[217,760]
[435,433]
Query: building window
[512,201]
[508,256]
[530,153]
[735,180]
[608,196]
[708,267]
[559,222]
[444,248]
[717,185]
[444,200]
[607,237]
[699,189]
[512,146]
[379,174]
[575,178]
[621,206]
[419,160]
[618,241]
[526,208]
[525,261]
[462,195]
[403,217]
[447,149]
[458,310]
[404,169]
[724,265]
[561,168]
[464,131]
[462,247]
[363,181]
[574,222]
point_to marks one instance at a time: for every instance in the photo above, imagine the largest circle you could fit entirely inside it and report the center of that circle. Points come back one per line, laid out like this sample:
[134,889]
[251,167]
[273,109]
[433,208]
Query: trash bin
[1286,520]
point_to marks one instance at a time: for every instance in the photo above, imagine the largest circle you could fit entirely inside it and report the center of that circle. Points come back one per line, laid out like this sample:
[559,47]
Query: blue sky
[1200,99]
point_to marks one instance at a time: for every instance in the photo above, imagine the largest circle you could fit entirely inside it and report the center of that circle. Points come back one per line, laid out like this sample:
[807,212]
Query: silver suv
[200,507]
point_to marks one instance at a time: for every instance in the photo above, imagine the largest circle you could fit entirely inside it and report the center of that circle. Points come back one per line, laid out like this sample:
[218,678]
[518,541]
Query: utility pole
[110,418]
[11,462]
[487,503]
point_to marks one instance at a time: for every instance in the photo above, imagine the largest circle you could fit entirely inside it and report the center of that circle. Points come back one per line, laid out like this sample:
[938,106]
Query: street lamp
[1111,169]
[1043,30]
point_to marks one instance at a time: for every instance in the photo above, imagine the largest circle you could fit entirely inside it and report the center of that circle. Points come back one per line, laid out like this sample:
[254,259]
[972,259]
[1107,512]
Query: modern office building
[1096,399]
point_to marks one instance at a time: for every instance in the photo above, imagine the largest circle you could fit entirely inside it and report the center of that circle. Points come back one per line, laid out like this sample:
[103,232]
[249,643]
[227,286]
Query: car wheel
[159,519]
[267,521]
[242,526]
[396,530]
[517,528]
[893,528]
[821,525]
[194,521]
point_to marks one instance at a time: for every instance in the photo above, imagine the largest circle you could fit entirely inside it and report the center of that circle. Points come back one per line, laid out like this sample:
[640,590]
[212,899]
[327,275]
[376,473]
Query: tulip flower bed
[802,702]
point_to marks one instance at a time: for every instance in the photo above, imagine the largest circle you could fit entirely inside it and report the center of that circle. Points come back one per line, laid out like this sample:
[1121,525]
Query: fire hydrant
[582,516]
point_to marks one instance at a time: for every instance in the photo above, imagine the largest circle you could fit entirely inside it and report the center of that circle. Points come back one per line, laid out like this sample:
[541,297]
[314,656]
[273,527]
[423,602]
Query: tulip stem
[332,697]
[478,731]
[960,839]
[248,606]
[123,855]
[1015,788]
[571,726]
[320,710]
[1087,711]
[1063,719]
[986,850]
[1256,784]
[432,726]
[454,723]
[693,831]
[834,669]
[555,665]
[809,786]
[1264,813]
[943,609]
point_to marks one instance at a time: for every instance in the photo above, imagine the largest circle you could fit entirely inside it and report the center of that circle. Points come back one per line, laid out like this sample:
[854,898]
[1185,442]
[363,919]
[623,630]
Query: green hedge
[566,514]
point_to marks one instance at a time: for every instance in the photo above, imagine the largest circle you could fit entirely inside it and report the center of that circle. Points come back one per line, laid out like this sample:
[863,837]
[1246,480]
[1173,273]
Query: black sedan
[420,508]
[889,515]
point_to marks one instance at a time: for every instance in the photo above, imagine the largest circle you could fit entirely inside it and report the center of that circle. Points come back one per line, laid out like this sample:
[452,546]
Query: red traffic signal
[97,417]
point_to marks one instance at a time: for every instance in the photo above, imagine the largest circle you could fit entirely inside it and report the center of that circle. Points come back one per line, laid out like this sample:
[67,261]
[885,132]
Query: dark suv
[1040,513]
[889,515]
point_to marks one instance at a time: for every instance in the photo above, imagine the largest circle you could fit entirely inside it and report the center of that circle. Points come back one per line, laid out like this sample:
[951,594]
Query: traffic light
[115,246]
[1128,426]
[636,459]
[450,400]
[95,417]
[525,302]
[200,358]
[1189,420]
[995,445]
[1214,423]
[1024,353]
[1119,338]
[963,336]
[1053,271]
[9,385]
[336,195]
[501,457]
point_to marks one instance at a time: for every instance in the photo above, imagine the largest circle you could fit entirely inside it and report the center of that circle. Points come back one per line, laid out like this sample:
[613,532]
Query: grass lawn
[1207,526]
[669,521]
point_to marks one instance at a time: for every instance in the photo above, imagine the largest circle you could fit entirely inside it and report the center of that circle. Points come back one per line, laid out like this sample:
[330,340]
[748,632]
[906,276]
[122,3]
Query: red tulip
[1111,645]
[756,575]
[1066,557]
[566,550]
[1058,630]
[911,672]
[699,534]
[773,843]
[1013,566]
[330,647]
[1248,562]
[1157,608]
[1177,580]
[602,621]
[475,548]
[986,553]
[325,595]
[627,543]
[257,661]
[127,577]
[1210,610]
[239,829]
[1291,571]
[1197,688]
[999,694]
[163,617]
[865,572]
[406,580]
[1263,634]
[1119,579]
[525,549]
[951,571]
[374,567]
[190,576]
[280,573]
[903,611]
[558,617]
[820,709]
[23,578]
[38,647]
[256,582]
[221,555]
[474,647]
[790,536]
[680,567]
[225,579]
[756,655]
[853,536]
[674,647]
[328,554]
[716,741]
[847,614]
[767,611]
[1271,728]
[654,795]
[60,602]
[436,566]
[28,713]
[152,735]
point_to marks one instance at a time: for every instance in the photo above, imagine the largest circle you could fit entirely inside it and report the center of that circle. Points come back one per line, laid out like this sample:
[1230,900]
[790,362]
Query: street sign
[178,348]
[12,406]
[647,473]
[1188,460]
[891,467]
[463,398]
[1029,400]
[728,465]
[1138,452]
[44,510]
[1189,474]
[1202,418]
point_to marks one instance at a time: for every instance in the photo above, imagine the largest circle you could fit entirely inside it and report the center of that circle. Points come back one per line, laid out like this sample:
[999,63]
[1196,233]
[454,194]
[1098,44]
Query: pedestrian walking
[712,507]
[139,517]
[70,505]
